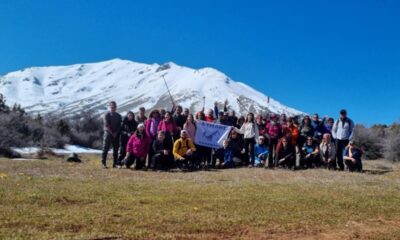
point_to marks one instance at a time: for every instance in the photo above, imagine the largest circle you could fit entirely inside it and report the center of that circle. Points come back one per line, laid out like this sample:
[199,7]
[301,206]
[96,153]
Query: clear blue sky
[316,56]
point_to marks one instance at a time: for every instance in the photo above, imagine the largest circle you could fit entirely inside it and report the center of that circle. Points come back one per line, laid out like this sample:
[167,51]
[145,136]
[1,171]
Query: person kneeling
[183,151]
[352,157]
[137,148]
[261,153]
[225,156]
[162,149]
[285,154]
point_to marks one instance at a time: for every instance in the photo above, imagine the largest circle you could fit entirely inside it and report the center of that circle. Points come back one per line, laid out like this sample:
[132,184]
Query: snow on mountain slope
[74,88]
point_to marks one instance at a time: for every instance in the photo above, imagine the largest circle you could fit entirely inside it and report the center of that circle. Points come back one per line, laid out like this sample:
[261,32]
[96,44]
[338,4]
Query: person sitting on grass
[224,155]
[328,152]
[137,148]
[285,154]
[261,152]
[162,149]
[183,151]
[352,157]
[309,153]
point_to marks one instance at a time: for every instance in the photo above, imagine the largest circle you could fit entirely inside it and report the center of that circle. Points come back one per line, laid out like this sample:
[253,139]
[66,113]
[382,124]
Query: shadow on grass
[377,172]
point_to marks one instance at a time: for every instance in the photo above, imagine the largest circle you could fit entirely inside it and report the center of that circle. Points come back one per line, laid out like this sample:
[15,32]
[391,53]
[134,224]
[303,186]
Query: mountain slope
[70,89]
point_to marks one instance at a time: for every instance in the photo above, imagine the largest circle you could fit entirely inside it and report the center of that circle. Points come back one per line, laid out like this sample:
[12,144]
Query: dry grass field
[53,199]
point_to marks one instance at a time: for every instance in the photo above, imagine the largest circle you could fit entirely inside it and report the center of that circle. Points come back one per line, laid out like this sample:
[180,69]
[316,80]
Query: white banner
[211,134]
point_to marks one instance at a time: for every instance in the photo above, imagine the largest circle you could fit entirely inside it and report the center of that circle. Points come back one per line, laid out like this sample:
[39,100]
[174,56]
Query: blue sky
[316,56]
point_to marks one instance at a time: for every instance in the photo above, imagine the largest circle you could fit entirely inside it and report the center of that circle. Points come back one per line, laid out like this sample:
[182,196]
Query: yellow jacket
[181,147]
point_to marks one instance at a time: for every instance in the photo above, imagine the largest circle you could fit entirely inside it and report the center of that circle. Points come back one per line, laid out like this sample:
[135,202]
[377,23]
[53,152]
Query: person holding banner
[250,132]
[183,152]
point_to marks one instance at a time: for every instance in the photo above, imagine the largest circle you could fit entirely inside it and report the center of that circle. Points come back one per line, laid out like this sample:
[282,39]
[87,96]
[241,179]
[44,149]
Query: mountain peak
[89,86]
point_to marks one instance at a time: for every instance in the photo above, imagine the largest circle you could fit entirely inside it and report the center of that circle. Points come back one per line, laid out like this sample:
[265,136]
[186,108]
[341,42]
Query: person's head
[234,134]
[200,115]
[241,120]
[226,115]
[161,136]
[283,117]
[272,117]
[330,121]
[307,119]
[225,143]
[315,117]
[112,106]
[221,115]
[290,122]
[167,116]
[259,118]
[130,116]
[210,113]
[343,114]
[310,140]
[326,138]
[154,114]
[140,128]
[178,109]
[285,141]
[261,140]
[162,112]
[186,112]
[190,118]
[184,134]
[249,117]
[232,113]
[142,111]
[352,144]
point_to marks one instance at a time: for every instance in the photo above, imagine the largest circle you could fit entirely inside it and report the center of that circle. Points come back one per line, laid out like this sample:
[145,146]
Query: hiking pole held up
[169,92]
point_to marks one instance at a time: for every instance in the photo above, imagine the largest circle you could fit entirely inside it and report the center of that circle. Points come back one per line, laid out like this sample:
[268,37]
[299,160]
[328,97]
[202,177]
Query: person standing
[250,131]
[112,128]
[342,132]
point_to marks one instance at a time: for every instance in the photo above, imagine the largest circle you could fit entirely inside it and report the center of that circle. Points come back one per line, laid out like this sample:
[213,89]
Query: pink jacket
[191,130]
[167,127]
[138,146]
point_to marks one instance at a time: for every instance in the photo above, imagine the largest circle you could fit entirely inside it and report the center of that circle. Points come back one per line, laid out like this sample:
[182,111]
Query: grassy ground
[52,199]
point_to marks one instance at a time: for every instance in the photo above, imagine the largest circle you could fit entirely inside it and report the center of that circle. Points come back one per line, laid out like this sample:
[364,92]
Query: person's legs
[251,150]
[155,161]
[115,144]
[272,149]
[129,161]
[246,151]
[350,165]
[340,146]
[107,139]
[122,149]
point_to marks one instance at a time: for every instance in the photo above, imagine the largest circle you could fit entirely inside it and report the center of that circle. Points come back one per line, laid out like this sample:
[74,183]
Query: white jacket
[249,130]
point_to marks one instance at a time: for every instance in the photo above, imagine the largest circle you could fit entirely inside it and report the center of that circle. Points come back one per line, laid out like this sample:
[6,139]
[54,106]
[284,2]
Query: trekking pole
[204,102]
[169,92]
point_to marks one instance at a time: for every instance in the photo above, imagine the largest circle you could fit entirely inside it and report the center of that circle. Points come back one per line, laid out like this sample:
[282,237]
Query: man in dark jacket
[112,128]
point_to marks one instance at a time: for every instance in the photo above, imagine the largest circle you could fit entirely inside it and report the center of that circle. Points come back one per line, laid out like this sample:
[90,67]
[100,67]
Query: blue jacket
[260,149]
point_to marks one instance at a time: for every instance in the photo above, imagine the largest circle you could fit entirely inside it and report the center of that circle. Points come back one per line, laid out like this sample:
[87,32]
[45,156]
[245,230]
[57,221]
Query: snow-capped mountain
[71,89]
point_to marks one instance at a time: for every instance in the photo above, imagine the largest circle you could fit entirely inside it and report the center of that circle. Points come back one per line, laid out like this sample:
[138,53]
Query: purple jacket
[152,126]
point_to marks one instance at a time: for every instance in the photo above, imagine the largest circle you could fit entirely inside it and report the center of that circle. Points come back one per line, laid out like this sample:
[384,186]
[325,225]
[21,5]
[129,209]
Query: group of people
[166,140]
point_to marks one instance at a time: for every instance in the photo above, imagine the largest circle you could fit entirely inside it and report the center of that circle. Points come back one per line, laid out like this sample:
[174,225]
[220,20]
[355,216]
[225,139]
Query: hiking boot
[104,165]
